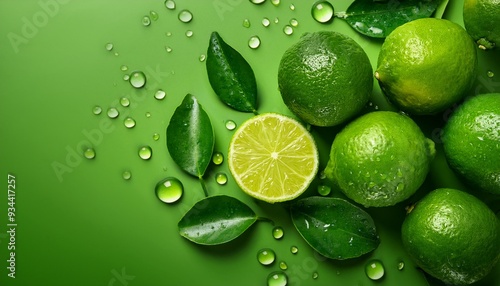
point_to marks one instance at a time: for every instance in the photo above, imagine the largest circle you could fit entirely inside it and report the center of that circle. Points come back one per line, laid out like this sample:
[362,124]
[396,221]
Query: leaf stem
[203,186]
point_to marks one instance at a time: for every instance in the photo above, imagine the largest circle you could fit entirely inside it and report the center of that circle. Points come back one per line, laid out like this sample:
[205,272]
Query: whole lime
[471,141]
[426,65]
[380,158]
[482,22]
[453,236]
[325,78]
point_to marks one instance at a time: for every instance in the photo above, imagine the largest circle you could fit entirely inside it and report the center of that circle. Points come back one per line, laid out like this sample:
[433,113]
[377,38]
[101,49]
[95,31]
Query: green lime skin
[482,22]
[427,65]
[326,78]
[452,236]
[380,159]
[471,141]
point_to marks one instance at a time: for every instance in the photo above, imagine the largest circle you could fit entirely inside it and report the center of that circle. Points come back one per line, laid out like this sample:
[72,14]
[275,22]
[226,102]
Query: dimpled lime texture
[471,141]
[325,78]
[426,65]
[453,236]
[482,21]
[380,159]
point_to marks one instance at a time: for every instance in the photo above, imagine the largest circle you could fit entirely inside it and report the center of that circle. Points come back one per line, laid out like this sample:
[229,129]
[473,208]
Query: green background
[80,223]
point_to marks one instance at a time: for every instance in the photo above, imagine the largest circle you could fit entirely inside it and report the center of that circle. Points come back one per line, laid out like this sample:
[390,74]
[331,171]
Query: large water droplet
[169,190]
[230,125]
[278,232]
[154,15]
[113,112]
[257,1]
[277,278]
[294,22]
[170,4]
[254,42]
[374,270]
[294,249]
[324,190]
[266,256]
[490,74]
[89,153]
[126,175]
[292,7]
[221,178]
[288,30]
[97,110]
[129,122]
[283,265]
[146,21]
[322,11]
[137,79]
[217,158]
[266,22]
[160,94]
[124,101]
[276,2]
[109,46]
[145,152]
[185,16]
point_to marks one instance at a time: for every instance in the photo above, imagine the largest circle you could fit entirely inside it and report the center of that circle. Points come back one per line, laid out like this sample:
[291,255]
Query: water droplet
[266,22]
[276,2]
[117,54]
[89,153]
[129,122]
[257,1]
[288,30]
[148,114]
[202,57]
[170,4]
[254,42]
[126,77]
[276,20]
[490,74]
[189,33]
[126,175]
[278,232]
[246,23]
[145,152]
[169,190]
[97,110]
[230,125]
[315,275]
[124,68]
[146,21]
[109,46]
[168,34]
[168,49]
[401,265]
[324,190]
[266,256]
[160,94]
[154,15]
[221,178]
[113,112]
[374,270]
[277,278]
[185,16]
[322,11]
[283,265]
[217,158]
[137,79]
[124,101]
[400,187]
[294,22]
[294,249]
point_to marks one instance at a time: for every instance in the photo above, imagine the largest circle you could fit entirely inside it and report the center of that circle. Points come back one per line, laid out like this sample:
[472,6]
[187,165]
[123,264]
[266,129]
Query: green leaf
[334,227]
[231,76]
[190,137]
[378,19]
[216,220]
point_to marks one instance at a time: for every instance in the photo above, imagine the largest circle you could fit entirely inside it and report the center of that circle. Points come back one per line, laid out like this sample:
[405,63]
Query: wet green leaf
[216,220]
[379,18]
[231,76]
[334,227]
[190,137]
